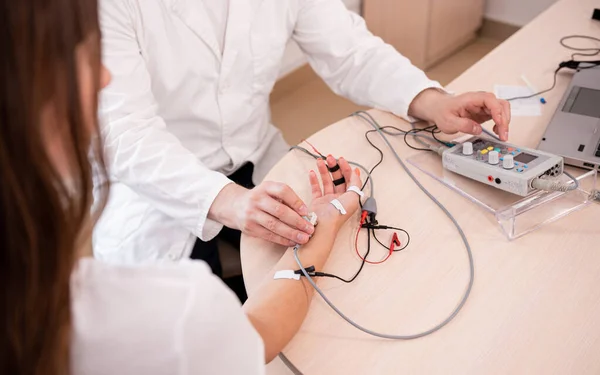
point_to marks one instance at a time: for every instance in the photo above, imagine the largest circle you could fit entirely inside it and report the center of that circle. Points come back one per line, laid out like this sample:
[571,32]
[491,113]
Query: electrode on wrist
[357,190]
[338,205]
[311,218]
[286,274]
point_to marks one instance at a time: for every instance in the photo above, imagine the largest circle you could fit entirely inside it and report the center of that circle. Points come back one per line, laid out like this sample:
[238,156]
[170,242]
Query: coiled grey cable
[592,51]
[448,214]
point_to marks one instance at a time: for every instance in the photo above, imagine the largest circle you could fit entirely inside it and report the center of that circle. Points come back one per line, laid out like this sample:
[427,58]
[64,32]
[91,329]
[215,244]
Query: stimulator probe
[502,165]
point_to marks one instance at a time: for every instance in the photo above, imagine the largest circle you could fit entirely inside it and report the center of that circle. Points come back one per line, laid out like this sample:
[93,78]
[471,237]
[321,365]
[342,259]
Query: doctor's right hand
[271,211]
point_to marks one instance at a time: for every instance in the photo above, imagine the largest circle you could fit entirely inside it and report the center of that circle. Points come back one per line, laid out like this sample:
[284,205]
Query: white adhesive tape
[286,274]
[357,190]
[337,204]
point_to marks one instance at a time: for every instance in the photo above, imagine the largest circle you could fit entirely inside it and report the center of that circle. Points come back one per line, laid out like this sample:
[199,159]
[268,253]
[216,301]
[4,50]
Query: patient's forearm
[278,307]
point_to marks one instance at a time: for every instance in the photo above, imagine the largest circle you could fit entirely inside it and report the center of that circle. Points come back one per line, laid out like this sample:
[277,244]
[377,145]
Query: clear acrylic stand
[516,215]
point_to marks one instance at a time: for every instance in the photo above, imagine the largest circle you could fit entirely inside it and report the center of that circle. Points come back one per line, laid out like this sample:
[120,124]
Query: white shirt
[217,13]
[180,114]
[161,319]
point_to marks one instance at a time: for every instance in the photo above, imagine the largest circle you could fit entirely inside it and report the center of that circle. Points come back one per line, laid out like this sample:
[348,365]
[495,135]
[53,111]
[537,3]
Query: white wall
[515,12]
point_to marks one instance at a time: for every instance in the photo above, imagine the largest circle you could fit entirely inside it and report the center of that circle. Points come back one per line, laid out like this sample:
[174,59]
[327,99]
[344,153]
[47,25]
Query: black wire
[380,158]
[371,226]
[415,131]
[369,229]
[377,239]
[403,132]
[433,133]
[593,51]
[362,264]
[398,229]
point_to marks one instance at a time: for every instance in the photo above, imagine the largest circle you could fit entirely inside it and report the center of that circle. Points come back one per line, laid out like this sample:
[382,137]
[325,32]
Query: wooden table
[535,304]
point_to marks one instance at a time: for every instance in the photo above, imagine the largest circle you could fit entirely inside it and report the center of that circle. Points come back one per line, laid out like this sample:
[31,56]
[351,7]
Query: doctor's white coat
[180,113]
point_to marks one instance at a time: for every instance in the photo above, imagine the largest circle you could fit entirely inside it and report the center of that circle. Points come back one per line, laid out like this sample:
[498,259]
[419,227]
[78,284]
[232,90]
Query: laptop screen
[583,101]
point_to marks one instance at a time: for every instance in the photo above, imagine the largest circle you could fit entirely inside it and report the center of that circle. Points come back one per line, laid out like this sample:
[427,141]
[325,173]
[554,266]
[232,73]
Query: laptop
[574,131]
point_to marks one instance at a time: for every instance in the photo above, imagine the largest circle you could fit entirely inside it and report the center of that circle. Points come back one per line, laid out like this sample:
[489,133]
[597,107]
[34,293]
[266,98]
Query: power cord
[553,185]
[458,228]
[539,92]
[571,64]
[593,51]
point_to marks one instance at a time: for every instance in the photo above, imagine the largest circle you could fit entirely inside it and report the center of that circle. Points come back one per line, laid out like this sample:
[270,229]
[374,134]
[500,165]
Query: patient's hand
[326,212]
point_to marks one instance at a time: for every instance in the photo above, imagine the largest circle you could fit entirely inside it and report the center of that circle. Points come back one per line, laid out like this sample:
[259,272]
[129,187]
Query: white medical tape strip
[286,274]
[337,204]
[311,218]
[356,190]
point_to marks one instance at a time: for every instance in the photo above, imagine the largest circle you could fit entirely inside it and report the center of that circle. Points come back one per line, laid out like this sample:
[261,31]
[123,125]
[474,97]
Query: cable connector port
[554,185]
[370,207]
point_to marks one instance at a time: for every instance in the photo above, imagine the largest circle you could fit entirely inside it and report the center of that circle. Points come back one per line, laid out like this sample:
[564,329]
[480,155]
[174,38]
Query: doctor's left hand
[462,113]
[271,211]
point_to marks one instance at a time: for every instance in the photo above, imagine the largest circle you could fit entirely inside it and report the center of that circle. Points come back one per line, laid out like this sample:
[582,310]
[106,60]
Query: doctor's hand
[462,113]
[271,211]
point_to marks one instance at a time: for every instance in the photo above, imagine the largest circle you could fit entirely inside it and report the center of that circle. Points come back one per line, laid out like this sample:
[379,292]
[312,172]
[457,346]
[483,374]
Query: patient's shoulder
[141,318]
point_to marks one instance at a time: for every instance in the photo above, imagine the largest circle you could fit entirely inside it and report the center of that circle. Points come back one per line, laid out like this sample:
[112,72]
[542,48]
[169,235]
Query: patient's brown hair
[43,213]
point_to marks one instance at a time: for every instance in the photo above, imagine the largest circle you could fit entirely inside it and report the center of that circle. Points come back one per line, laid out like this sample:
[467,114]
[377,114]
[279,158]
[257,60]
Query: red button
[511,149]
[490,178]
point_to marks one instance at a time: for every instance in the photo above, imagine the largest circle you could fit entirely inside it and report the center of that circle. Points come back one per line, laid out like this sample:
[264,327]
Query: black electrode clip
[574,64]
[309,270]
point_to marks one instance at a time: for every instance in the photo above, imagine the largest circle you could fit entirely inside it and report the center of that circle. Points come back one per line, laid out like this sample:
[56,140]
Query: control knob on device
[493,157]
[467,148]
[508,162]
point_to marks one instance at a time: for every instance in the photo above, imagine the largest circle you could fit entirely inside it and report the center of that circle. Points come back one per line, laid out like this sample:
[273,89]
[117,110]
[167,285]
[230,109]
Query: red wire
[313,147]
[360,256]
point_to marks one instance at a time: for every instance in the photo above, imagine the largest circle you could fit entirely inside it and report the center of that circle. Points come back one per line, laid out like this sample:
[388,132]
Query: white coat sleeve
[353,62]
[141,153]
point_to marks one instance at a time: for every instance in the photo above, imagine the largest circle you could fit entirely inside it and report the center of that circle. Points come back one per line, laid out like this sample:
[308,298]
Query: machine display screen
[583,101]
[525,158]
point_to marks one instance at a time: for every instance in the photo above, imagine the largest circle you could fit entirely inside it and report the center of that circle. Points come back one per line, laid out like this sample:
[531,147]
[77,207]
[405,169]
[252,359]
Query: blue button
[519,170]
[501,159]
[513,153]
[525,166]
[516,164]
[497,149]
[518,150]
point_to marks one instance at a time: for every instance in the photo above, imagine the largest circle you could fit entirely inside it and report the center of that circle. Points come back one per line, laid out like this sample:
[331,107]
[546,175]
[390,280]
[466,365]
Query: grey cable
[418,139]
[462,235]
[552,185]
[371,182]
[593,51]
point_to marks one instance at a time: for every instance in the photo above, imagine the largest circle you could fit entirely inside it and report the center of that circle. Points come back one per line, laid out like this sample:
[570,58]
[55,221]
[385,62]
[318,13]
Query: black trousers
[209,251]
